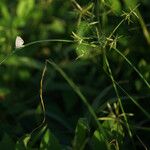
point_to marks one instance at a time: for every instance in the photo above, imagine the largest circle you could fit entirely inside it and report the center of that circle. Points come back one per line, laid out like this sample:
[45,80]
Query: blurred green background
[20,74]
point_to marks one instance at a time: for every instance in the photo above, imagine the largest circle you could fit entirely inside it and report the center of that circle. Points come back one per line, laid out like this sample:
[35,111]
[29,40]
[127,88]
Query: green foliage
[49,142]
[96,85]
[24,8]
[81,134]
[97,141]
[22,143]
[115,6]
[131,4]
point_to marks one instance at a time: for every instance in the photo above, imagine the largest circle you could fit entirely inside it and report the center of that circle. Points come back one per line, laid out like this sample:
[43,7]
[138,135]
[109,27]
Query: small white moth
[19,42]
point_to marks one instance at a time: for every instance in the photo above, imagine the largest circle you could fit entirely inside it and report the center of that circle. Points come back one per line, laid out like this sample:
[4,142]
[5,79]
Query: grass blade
[129,62]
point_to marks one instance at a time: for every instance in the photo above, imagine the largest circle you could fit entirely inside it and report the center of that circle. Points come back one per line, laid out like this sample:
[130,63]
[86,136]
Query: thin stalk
[117,93]
[134,101]
[119,100]
[48,40]
[82,97]
[144,28]
[129,62]
[111,34]
[41,99]
[33,43]
[111,76]
[120,23]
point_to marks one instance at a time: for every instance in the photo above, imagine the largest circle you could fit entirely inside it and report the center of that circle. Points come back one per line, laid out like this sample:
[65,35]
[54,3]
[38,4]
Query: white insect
[19,42]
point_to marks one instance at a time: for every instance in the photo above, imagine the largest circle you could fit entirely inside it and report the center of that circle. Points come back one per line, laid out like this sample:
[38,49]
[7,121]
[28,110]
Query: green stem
[117,93]
[129,62]
[82,97]
[32,43]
